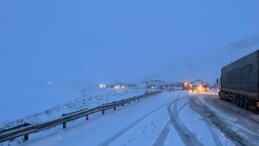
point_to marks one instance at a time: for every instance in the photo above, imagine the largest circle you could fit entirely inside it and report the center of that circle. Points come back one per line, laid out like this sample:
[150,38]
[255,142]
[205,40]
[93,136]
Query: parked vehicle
[240,82]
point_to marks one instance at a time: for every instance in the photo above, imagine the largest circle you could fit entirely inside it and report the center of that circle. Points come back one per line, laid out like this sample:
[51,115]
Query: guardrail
[26,129]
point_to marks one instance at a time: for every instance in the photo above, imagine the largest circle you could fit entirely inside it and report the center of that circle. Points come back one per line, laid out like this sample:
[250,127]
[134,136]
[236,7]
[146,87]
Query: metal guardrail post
[64,125]
[26,137]
[86,117]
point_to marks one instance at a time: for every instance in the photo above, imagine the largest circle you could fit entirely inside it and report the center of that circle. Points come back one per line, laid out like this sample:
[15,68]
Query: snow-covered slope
[207,65]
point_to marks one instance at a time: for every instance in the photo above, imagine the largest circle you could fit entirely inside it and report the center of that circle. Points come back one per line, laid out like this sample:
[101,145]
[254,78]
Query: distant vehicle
[187,86]
[203,87]
[240,82]
[193,89]
[200,88]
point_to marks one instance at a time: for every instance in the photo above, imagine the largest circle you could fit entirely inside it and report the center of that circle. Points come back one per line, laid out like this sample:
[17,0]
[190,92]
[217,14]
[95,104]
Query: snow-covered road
[176,118]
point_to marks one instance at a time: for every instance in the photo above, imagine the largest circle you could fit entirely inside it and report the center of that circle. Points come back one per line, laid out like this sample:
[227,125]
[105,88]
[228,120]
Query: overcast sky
[102,40]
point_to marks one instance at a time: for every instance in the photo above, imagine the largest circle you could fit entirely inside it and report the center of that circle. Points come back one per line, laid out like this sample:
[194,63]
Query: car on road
[200,88]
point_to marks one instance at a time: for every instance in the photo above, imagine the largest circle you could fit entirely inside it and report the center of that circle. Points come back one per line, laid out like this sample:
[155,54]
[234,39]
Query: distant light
[116,87]
[49,82]
[123,87]
[102,86]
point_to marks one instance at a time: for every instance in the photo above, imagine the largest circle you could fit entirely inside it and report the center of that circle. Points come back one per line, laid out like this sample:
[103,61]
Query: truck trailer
[240,82]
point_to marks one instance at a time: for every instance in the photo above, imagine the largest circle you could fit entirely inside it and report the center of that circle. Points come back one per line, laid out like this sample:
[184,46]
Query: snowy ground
[65,99]
[176,118]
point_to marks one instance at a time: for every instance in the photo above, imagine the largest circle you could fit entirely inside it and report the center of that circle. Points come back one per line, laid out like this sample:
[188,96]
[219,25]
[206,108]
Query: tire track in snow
[124,130]
[207,122]
[187,136]
[234,109]
[247,121]
[160,141]
[226,128]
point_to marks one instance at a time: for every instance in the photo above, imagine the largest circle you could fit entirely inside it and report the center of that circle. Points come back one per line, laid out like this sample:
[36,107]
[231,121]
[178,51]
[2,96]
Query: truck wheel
[242,102]
[239,102]
[246,103]
[221,95]
[235,99]
[225,95]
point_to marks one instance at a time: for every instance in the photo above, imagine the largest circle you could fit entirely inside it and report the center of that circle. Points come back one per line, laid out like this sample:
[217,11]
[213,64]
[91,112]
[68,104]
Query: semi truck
[240,82]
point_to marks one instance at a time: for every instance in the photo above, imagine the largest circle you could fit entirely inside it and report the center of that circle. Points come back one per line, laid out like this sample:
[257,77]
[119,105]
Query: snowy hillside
[207,65]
